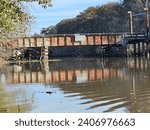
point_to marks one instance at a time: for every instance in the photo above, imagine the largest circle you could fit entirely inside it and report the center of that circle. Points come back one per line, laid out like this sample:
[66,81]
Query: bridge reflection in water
[77,75]
[91,85]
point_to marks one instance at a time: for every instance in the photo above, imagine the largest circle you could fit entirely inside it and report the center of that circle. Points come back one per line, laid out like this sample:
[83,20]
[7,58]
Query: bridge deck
[76,40]
[132,38]
[84,40]
[69,40]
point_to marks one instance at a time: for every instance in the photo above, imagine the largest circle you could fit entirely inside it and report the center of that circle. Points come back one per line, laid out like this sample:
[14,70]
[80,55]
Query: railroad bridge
[92,44]
[67,45]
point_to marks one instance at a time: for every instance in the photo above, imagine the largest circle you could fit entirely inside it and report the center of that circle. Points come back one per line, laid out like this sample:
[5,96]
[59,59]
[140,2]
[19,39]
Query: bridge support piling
[134,48]
[147,49]
[143,48]
[44,53]
[139,49]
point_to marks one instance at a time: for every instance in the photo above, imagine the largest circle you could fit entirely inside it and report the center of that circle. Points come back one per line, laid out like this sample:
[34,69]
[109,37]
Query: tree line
[108,18]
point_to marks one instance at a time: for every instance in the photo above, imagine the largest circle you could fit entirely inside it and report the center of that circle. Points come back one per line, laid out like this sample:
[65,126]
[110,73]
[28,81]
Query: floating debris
[49,92]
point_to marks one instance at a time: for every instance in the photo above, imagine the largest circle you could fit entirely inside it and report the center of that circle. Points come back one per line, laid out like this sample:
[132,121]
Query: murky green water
[76,85]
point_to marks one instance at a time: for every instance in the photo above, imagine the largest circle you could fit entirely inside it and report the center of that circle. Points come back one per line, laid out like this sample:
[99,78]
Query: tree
[49,30]
[11,18]
[44,3]
[136,5]
[109,18]
[14,20]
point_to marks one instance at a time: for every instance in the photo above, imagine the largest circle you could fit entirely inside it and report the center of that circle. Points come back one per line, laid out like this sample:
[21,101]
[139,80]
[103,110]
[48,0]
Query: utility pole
[147,20]
[131,21]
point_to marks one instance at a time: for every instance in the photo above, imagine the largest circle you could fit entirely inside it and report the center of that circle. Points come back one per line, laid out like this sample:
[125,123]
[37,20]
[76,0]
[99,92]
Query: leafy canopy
[14,20]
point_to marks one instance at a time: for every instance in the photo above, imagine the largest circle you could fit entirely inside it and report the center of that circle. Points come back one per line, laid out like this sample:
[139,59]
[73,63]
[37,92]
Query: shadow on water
[76,85]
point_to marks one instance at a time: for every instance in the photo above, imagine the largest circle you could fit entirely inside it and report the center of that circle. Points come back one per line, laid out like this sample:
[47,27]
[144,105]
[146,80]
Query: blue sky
[60,10]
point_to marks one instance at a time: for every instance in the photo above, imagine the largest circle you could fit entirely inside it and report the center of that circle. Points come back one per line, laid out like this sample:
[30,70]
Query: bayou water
[79,85]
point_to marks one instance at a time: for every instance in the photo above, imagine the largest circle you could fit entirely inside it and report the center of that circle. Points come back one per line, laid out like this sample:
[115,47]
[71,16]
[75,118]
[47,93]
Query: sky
[60,10]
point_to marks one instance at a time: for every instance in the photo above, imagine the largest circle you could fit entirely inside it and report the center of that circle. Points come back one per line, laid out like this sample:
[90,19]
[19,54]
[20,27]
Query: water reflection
[77,71]
[77,85]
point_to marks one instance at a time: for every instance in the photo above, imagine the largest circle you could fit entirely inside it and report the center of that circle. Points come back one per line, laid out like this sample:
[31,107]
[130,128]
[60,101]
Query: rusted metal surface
[70,40]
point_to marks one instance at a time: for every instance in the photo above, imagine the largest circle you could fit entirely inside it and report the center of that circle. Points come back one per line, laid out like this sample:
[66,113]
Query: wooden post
[139,49]
[131,21]
[143,48]
[135,49]
[147,49]
[147,21]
